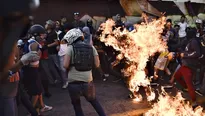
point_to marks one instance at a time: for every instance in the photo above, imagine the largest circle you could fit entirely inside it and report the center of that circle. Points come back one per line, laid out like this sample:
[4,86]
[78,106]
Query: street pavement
[112,96]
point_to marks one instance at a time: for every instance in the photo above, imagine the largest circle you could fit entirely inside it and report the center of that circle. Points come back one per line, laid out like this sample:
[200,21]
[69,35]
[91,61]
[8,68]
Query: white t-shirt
[62,50]
[182,30]
[58,33]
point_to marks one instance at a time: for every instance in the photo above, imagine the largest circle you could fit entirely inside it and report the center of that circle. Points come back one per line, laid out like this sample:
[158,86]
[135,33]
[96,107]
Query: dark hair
[183,16]
[169,20]
[176,26]
[191,33]
[63,17]
[67,26]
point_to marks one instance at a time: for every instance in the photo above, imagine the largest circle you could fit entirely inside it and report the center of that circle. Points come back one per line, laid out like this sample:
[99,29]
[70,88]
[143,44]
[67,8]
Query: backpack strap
[73,55]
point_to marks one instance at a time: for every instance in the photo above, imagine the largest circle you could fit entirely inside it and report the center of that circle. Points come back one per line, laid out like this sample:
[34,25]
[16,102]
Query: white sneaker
[46,108]
[104,79]
[65,85]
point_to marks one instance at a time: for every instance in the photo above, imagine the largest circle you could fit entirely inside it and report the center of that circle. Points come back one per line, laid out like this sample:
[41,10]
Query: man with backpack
[79,61]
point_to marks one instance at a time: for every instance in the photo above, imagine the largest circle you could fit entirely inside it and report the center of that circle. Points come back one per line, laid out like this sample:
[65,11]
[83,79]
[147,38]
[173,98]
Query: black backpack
[83,58]
[202,50]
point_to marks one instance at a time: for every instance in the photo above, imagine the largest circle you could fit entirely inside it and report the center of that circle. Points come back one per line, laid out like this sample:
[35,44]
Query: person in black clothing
[77,23]
[107,56]
[66,28]
[52,44]
[63,21]
[118,22]
[189,65]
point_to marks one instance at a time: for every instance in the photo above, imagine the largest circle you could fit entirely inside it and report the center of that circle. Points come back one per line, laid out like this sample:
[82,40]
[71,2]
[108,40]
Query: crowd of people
[68,53]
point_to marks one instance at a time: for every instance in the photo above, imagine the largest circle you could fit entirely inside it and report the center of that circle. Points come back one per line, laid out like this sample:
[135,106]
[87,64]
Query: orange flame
[173,106]
[136,46]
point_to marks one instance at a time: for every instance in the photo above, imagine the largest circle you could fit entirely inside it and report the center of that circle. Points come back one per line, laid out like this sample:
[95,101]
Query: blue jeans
[88,91]
[64,74]
[54,66]
[8,106]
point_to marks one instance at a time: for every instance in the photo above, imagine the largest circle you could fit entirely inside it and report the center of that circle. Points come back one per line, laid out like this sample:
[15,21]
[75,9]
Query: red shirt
[44,54]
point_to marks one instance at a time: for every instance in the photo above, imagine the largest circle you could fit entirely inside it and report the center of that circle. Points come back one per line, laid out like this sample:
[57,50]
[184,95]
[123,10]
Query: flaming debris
[136,46]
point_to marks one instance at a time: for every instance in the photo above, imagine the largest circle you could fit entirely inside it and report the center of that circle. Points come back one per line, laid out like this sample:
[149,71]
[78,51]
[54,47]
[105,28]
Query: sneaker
[199,93]
[65,85]
[46,108]
[168,86]
[104,79]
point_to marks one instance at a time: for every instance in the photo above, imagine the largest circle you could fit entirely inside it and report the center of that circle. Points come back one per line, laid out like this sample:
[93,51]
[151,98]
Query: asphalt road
[112,96]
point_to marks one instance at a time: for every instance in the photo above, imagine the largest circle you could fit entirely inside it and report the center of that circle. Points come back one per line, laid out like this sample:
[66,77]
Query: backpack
[202,50]
[83,57]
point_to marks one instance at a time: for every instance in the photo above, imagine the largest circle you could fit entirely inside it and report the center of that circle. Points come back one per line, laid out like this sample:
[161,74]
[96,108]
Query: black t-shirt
[78,24]
[51,37]
[61,35]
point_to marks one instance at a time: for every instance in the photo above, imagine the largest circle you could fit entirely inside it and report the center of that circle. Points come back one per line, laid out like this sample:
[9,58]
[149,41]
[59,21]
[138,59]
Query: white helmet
[72,35]
[198,21]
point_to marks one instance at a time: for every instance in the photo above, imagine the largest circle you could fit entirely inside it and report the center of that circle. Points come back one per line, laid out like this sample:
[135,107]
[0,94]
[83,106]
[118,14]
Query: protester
[52,44]
[118,22]
[87,36]
[182,32]
[31,71]
[9,82]
[79,59]
[62,52]
[90,26]
[189,64]
[45,74]
[77,23]
[58,28]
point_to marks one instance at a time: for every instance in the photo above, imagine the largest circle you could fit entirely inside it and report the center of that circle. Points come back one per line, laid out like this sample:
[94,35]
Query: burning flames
[136,46]
[173,106]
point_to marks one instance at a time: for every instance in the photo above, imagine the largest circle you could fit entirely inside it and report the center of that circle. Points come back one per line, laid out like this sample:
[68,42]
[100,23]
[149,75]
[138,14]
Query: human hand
[170,56]
[182,55]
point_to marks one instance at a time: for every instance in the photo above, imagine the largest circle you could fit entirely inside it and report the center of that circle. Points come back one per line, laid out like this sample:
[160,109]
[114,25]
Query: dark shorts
[32,81]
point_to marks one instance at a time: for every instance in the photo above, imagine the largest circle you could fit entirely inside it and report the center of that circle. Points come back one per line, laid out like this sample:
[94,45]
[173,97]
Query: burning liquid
[136,46]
